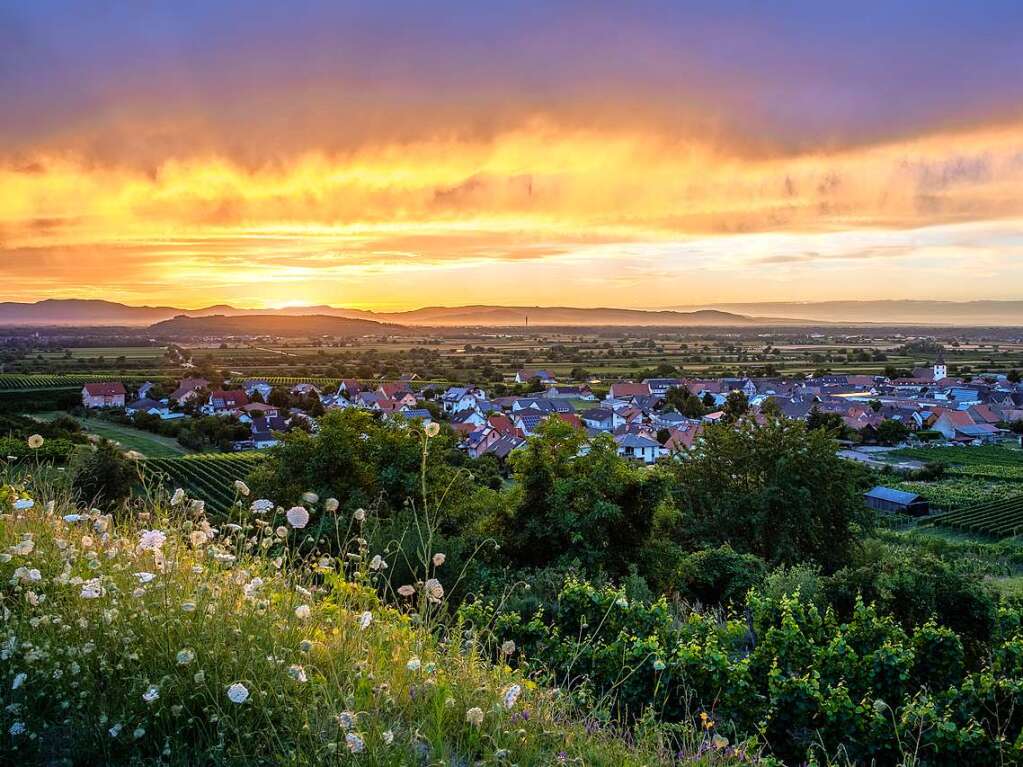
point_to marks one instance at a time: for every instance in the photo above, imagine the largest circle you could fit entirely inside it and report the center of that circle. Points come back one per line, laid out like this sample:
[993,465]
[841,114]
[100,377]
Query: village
[649,420]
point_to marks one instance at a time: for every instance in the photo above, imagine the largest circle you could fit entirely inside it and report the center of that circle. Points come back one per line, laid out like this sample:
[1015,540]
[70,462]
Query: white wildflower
[35,441]
[355,744]
[413,664]
[438,559]
[511,695]
[71,518]
[330,505]
[23,504]
[18,728]
[388,737]
[237,693]
[152,540]
[145,577]
[298,516]
[92,589]
[434,590]
[302,612]
[241,487]
[297,672]
[114,731]
[261,506]
[377,563]
[19,680]
[151,694]
[474,716]
[185,656]
[178,497]
[310,497]
[365,619]
[508,647]
[360,515]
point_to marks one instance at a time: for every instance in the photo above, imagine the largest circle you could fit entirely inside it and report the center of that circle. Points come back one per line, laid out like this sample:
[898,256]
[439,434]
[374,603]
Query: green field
[209,476]
[150,445]
[973,475]
[999,519]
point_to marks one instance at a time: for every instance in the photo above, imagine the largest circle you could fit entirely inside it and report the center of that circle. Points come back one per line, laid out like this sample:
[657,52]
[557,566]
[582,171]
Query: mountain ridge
[99,312]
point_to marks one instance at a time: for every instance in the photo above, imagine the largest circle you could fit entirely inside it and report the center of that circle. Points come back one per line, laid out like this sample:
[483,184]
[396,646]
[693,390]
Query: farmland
[1000,518]
[972,475]
[210,477]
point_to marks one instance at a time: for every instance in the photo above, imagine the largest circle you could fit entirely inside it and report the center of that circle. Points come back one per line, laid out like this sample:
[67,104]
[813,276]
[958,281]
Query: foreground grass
[145,640]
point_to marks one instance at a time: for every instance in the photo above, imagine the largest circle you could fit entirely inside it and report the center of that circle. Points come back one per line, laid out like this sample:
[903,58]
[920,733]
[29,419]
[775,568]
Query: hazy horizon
[400,155]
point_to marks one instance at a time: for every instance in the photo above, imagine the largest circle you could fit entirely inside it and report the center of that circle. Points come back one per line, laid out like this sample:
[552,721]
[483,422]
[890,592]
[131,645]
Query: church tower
[940,371]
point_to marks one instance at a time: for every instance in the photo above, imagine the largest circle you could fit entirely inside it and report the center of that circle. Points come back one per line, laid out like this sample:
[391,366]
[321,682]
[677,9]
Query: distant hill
[83,312]
[901,312]
[270,325]
[95,312]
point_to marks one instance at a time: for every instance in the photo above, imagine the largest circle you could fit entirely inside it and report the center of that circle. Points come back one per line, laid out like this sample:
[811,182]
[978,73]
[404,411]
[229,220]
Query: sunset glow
[281,182]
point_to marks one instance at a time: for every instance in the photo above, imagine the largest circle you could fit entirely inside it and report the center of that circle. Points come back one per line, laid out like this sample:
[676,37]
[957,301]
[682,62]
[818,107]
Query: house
[152,407]
[638,447]
[682,439]
[505,446]
[305,389]
[899,501]
[623,391]
[469,416]
[560,391]
[225,400]
[479,441]
[188,388]
[257,385]
[461,397]
[602,419]
[528,421]
[98,395]
[543,376]
[417,414]
[258,409]
[144,389]
[264,431]
[661,386]
[950,420]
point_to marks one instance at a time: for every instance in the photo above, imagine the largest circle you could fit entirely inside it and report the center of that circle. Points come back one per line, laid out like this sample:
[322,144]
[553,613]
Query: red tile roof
[112,389]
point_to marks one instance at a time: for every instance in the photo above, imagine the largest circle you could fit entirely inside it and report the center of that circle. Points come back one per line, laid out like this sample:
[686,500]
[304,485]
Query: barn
[889,499]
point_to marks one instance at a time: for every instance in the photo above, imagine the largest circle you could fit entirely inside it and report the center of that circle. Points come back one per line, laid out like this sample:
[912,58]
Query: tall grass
[153,636]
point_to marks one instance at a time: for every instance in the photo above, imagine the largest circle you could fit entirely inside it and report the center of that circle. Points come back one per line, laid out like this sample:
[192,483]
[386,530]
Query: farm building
[103,394]
[889,499]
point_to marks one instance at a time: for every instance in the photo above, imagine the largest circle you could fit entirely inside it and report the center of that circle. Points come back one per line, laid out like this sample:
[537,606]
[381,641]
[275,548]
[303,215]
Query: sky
[394,155]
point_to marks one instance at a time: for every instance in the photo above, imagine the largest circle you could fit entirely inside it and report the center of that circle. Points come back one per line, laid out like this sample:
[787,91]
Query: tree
[890,431]
[736,406]
[776,490]
[771,408]
[104,477]
[684,402]
[597,508]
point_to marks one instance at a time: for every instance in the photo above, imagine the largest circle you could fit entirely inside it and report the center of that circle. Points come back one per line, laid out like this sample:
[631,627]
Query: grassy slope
[150,445]
[143,668]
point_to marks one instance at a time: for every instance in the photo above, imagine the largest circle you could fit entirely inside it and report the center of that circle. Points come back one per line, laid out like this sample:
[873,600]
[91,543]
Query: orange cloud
[198,227]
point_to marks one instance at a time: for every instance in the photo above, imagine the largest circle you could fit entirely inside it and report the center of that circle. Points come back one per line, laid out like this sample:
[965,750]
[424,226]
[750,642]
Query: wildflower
[197,538]
[434,590]
[152,540]
[297,516]
[719,742]
[237,693]
[302,612]
[252,588]
[438,559]
[432,429]
[199,677]
[365,619]
[330,505]
[241,487]
[508,647]
[281,532]
[658,665]
[360,515]
[70,518]
[185,656]
[19,680]
[261,506]
[346,720]
[114,731]
[151,694]
[355,744]
[134,455]
[474,716]
[18,728]
[35,441]
[413,664]
[188,607]
[139,733]
[406,590]
[92,589]
[297,673]
[145,577]
[310,497]
[377,563]
[388,737]
[178,497]
[23,504]
[198,508]
[511,695]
